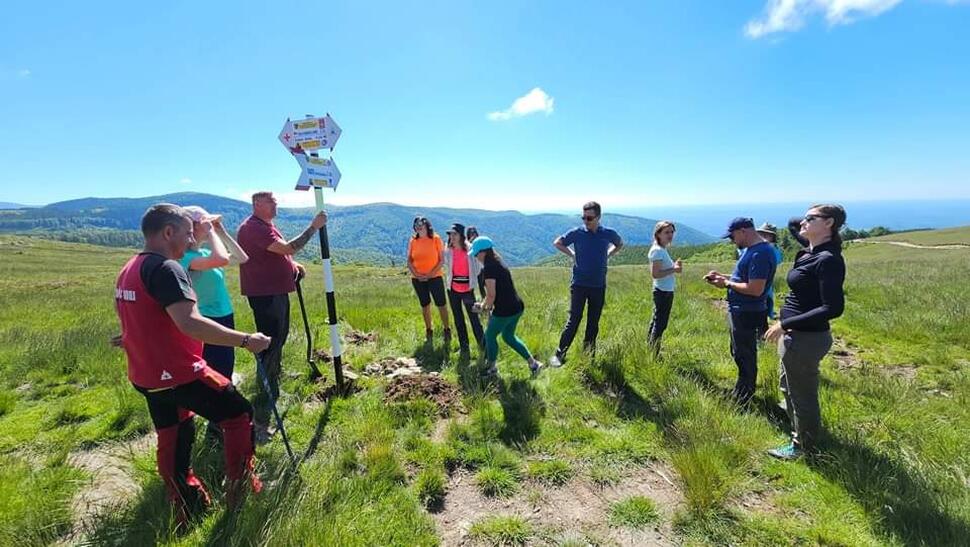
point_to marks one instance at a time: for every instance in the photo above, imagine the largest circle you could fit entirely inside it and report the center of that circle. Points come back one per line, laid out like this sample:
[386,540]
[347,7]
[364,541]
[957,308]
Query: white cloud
[185,180]
[790,15]
[23,73]
[534,101]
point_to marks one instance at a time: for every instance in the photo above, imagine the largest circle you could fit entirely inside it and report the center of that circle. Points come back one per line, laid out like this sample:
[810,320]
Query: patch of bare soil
[847,358]
[575,510]
[444,394]
[111,483]
[359,338]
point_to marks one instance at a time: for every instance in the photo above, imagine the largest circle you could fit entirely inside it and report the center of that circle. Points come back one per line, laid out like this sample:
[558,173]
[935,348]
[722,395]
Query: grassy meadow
[618,449]
[948,236]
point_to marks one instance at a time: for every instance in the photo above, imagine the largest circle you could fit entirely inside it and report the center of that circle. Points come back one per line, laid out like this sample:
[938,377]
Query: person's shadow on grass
[902,504]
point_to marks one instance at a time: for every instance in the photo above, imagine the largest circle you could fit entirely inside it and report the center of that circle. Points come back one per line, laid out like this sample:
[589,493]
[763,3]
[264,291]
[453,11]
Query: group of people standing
[802,333]
[178,324]
[178,332]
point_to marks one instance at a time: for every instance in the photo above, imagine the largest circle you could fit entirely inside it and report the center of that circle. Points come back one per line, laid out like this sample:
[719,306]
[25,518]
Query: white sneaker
[555,361]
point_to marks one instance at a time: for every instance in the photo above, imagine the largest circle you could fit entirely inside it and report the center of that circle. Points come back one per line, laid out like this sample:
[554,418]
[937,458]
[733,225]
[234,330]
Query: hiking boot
[428,335]
[446,335]
[557,359]
[535,367]
[790,451]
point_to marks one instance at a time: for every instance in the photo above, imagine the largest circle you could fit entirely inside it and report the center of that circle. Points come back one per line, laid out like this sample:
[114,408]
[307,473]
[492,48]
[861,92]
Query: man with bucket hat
[770,234]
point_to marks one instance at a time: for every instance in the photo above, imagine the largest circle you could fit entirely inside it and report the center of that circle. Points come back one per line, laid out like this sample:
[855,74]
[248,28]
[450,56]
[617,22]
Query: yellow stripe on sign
[315,143]
[307,124]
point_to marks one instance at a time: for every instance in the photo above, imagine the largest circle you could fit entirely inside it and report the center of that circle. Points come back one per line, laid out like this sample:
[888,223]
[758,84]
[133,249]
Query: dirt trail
[111,483]
[570,511]
[917,246]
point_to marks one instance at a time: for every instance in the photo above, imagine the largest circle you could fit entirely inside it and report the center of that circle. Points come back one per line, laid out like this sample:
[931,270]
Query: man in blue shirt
[591,245]
[747,290]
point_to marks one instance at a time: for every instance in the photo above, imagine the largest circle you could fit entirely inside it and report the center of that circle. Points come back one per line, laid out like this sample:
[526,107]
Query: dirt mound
[322,356]
[358,338]
[431,386]
[392,367]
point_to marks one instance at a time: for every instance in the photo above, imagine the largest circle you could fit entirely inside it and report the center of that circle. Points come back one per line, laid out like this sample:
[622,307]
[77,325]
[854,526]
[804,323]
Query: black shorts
[432,288]
[205,398]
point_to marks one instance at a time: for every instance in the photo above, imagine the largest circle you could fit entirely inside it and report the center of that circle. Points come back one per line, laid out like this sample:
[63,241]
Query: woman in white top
[662,270]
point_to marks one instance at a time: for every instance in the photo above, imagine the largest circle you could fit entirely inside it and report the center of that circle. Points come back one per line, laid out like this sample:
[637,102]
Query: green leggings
[506,327]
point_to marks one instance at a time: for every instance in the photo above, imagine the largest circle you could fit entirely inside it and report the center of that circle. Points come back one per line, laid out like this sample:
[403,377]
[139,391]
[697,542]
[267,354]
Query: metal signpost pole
[303,138]
[331,300]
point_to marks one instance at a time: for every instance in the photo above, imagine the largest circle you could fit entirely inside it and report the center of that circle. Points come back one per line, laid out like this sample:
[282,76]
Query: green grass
[552,472]
[634,512]
[948,236]
[501,531]
[892,471]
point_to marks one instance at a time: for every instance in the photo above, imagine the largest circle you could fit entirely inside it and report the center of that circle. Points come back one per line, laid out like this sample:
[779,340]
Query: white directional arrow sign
[309,134]
[318,172]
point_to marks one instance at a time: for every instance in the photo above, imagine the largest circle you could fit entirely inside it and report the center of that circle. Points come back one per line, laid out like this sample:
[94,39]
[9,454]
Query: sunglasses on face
[810,218]
[587,218]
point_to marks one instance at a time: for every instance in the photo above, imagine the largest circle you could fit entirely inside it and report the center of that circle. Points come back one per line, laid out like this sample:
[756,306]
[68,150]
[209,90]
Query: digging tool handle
[261,372]
[314,371]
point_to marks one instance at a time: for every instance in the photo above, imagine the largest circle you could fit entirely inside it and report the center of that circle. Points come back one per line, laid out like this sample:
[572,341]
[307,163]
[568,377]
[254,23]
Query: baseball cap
[737,224]
[480,244]
[198,214]
[457,228]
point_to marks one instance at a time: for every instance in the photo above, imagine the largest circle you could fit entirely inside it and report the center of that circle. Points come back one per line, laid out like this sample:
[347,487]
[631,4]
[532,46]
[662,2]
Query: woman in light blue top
[662,270]
[205,268]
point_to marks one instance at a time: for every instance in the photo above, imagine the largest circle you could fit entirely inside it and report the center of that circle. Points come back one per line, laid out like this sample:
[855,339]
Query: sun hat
[198,214]
[768,228]
[480,244]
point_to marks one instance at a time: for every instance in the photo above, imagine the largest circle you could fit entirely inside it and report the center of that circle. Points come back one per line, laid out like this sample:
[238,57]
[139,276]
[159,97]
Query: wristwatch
[245,341]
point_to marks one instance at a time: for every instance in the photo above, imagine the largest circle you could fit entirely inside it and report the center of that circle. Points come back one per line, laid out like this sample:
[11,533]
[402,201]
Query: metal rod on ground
[261,372]
[314,371]
[331,301]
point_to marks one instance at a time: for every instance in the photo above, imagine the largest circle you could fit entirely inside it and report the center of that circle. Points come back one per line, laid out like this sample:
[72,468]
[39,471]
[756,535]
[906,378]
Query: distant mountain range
[9,205]
[375,233]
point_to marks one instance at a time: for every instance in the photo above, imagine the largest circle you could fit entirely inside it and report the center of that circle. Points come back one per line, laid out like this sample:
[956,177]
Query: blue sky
[632,103]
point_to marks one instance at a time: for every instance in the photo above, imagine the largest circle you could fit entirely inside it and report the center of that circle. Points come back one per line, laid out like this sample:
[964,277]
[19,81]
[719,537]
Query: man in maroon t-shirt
[267,279]
[162,333]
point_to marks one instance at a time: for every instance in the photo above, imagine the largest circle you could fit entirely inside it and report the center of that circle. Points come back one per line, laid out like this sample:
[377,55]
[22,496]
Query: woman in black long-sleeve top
[803,334]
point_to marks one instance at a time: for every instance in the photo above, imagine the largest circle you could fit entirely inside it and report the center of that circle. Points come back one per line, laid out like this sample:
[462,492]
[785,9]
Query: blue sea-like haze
[895,215]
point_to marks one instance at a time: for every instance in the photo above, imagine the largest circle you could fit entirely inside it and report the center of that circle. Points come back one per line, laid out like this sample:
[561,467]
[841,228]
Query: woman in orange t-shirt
[426,254]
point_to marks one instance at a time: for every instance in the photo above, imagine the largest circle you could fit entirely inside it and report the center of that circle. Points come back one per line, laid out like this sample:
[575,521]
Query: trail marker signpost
[304,138]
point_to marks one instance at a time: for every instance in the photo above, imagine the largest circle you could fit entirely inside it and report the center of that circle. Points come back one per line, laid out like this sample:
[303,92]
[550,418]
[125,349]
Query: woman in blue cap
[503,303]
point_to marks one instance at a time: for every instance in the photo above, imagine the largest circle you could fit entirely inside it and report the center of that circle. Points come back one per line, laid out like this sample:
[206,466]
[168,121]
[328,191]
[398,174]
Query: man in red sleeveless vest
[162,333]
